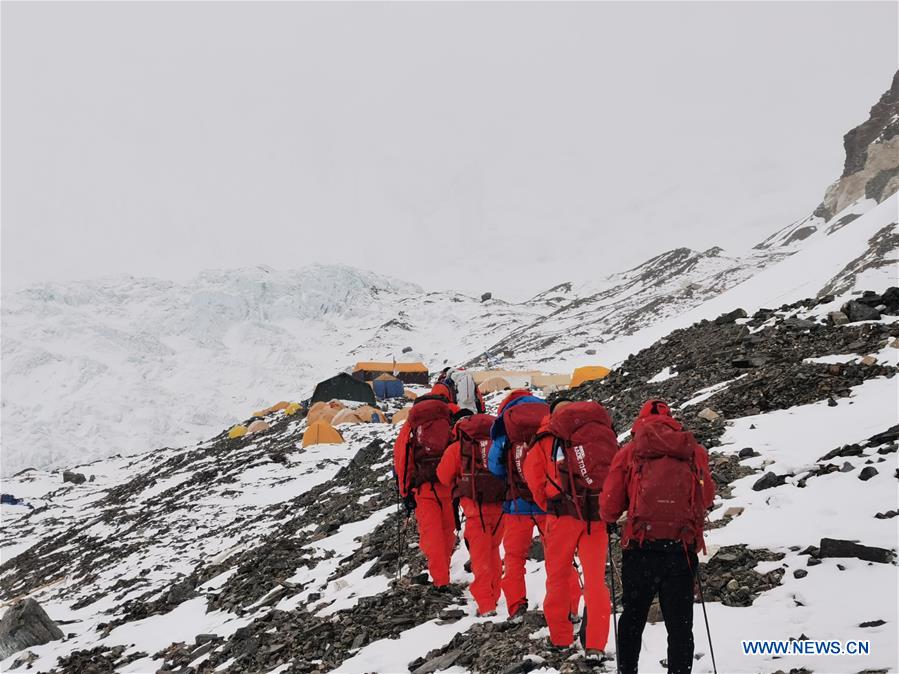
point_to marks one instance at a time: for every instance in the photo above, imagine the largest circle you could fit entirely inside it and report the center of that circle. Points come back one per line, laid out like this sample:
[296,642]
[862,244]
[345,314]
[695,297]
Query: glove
[612,529]
[409,503]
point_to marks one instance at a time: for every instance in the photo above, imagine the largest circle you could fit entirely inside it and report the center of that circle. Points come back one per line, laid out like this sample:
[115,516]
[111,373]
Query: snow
[663,375]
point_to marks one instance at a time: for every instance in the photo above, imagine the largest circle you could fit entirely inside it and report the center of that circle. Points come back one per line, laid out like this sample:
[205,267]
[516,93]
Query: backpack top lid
[657,436]
[475,426]
[426,408]
[566,420]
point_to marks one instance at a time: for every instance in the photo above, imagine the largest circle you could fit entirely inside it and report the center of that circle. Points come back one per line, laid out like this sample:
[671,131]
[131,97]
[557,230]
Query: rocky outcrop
[26,624]
[871,169]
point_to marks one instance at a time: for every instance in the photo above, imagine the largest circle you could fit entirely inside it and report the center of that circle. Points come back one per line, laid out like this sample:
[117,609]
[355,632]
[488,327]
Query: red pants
[484,533]
[567,535]
[436,530]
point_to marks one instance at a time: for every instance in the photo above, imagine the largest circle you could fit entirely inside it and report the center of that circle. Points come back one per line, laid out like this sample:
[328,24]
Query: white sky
[502,147]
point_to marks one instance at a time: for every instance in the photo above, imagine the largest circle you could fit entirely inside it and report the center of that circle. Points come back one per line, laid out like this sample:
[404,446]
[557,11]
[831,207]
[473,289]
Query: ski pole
[615,610]
[706,617]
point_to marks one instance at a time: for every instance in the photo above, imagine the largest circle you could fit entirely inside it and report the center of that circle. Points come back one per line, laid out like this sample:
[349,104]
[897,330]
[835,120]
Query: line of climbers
[559,470]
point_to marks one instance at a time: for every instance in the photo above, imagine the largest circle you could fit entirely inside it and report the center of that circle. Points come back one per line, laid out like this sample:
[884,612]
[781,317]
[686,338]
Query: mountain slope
[256,554]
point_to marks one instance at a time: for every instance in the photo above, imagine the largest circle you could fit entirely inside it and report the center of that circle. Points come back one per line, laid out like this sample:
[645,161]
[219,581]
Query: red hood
[658,435]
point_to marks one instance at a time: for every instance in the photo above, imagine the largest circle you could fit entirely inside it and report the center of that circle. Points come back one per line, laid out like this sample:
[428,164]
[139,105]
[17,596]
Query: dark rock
[747,452]
[26,624]
[74,478]
[486,296]
[837,318]
[873,623]
[867,473]
[889,514]
[768,480]
[443,661]
[834,547]
[857,311]
[407,349]
[800,573]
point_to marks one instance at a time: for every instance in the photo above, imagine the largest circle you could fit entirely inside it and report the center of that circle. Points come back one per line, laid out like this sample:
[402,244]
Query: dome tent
[237,431]
[321,433]
[387,386]
[494,384]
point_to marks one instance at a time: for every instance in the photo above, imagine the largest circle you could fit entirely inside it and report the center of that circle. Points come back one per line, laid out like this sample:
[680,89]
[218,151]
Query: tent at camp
[551,382]
[387,386]
[494,384]
[588,373]
[516,378]
[271,410]
[324,411]
[408,373]
[293,408]
[409,395]
[344,387]
[257,426]
[400,415]
[237,431]
[321,433]
[360,415]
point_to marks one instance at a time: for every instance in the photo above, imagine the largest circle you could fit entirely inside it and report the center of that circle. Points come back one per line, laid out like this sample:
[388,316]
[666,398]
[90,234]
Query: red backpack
[664,483]
[583,450]
[477,482]
[430,432]
[522,423]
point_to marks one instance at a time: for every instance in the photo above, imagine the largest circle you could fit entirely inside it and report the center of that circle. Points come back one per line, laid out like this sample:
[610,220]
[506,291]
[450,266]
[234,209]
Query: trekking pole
[706,617]
[615,611]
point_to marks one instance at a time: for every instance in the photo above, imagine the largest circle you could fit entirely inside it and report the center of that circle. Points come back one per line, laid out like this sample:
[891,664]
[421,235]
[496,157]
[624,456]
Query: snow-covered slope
[259,555]
[133,363]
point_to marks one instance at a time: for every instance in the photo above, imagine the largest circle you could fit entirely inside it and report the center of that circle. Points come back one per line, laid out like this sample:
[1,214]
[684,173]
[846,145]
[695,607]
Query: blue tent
[388,388]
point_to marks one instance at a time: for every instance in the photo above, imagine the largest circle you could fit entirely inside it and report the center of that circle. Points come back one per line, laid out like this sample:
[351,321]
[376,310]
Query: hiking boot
[594,655]
[574,618]
[467,566]
[518,614]
[553,648]
[487,614]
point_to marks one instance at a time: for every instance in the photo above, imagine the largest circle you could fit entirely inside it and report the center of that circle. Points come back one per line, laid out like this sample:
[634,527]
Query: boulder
[407,349]
[838,318]
[767,481]
[857,311]
[26,624]
[835,547]
[867,473]
[708,414]
[486,296]
[74,478]
[869,361]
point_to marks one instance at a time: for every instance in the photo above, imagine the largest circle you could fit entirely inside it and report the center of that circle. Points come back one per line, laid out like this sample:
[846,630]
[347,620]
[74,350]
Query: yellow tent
[321,433]
[292,409]
[257,426]
[400,415]
[588,373]
[237,431]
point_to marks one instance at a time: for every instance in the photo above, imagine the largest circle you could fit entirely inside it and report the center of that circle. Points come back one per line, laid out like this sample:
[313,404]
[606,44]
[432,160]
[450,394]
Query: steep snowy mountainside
[136,363]
[256,554]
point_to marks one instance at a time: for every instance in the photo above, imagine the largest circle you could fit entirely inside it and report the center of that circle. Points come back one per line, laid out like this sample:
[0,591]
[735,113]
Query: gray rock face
[26,624]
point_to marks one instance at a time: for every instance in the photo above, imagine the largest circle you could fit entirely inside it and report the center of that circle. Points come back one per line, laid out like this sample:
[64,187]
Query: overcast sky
[502,147]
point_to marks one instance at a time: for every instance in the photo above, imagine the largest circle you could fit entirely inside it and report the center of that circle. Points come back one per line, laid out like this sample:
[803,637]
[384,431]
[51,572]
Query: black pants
[662,568]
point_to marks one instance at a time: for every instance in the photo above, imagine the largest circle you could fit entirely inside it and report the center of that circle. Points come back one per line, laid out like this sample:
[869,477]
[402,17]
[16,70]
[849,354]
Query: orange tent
[322,411]
[400,416]
[588,373]
[270,410]
[321,433]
